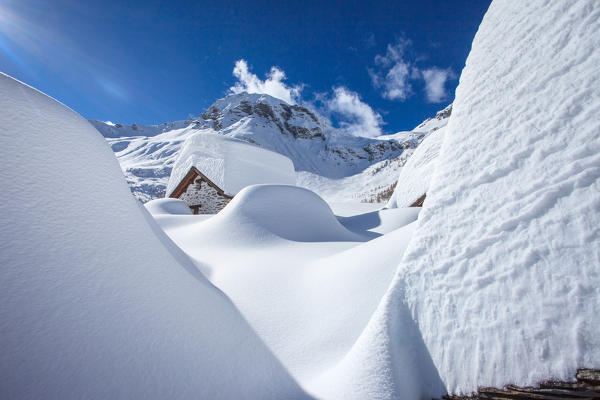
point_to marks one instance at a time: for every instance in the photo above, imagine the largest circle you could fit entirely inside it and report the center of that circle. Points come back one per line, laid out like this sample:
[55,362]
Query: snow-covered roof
[229,163]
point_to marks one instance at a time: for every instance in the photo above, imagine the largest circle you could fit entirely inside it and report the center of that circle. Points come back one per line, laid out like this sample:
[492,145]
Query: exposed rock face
[291,120]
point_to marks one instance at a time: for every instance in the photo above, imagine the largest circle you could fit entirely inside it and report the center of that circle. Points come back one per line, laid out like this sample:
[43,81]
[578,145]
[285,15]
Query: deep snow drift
[95,301]
[496,282]
[231,164]
[308,282]
[501,277]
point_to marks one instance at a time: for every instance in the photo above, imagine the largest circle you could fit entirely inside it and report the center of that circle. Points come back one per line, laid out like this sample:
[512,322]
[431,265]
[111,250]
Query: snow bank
[230,163]
[415,175]
[95,301]
[168,206]
[261,214]
[303,281]
[502,278]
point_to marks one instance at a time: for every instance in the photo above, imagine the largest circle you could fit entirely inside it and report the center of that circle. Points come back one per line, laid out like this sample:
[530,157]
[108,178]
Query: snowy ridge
[111,130]
[439,121]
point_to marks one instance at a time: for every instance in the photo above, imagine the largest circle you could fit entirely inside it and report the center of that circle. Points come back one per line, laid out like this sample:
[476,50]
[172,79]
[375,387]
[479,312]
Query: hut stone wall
[204,198]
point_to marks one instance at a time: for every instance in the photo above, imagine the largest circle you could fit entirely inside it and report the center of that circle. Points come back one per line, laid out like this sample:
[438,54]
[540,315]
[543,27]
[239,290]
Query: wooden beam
[586,387]
[189,179]
[420,201]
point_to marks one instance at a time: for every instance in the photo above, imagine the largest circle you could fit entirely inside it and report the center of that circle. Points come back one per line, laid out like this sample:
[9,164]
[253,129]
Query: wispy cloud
[395,74]
[273,85]
[369,40]
[435,83]
[356,117]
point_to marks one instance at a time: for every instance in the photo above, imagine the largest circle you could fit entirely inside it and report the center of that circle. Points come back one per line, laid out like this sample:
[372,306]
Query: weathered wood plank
[419,202]
[589,376]
[526,394]
[587,387]
[563,385]
[558,393]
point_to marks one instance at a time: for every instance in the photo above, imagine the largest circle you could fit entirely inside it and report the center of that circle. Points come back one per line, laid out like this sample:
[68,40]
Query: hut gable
[201,194]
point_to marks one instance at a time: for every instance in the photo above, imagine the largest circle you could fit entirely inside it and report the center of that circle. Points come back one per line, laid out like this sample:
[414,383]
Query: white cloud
[395,73]
[397,85]
[356,117]
[273,85]
[394,53]
[435,83]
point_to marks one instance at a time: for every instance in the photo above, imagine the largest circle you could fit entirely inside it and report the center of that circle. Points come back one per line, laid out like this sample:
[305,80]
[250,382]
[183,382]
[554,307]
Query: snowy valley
[334,164]
[462,254]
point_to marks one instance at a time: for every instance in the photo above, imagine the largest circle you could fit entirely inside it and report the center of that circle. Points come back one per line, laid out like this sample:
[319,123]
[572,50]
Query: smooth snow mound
[95,300]
[168,206]
[502,276]
[285,211]
[231,164]
[415,176]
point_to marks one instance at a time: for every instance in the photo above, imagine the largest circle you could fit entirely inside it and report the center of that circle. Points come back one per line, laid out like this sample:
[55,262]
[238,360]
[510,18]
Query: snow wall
[502,276]
[231,164]
[95,301]
[415,175]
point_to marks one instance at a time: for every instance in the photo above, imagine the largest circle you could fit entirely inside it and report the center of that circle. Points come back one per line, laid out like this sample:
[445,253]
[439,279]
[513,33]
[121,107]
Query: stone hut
[212,168]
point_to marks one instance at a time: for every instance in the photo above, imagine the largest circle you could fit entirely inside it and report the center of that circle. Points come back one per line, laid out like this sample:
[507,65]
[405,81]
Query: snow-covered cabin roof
[229,163]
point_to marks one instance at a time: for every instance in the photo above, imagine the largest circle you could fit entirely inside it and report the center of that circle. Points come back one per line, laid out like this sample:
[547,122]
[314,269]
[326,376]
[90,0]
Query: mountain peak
[261,111]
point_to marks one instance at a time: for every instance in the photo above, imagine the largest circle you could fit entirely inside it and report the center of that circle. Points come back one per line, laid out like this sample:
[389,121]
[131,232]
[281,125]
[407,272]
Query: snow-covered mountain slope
[147,161]
[500,282]
[375,184]
[431,124]
[378,182]
[95,301]
[297,133]
[291,130]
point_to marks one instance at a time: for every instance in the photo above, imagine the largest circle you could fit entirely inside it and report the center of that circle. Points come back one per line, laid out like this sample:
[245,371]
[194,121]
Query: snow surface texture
[502,276]
[308,282]
[229,163]
[95,301]
[415,176]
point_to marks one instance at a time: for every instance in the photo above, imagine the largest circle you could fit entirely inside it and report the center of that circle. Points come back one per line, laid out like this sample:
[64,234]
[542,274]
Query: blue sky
[367,65]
